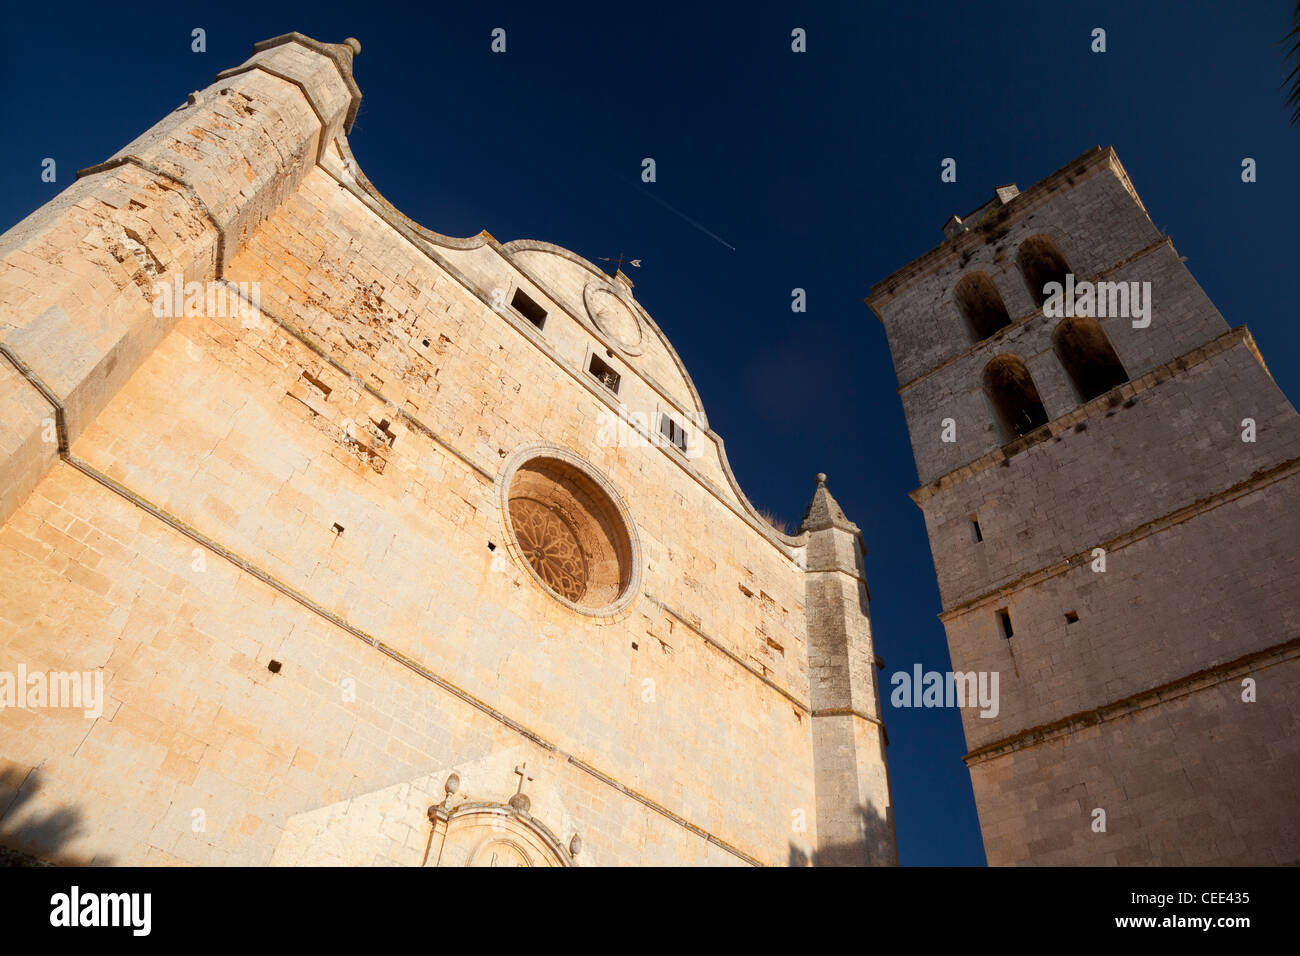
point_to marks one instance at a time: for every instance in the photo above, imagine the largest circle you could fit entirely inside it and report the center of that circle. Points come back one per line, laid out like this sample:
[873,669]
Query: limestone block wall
[77,275]
[1197,779]
[225,429]
[282,537]
[195,721]
[1155,447]
[1137,627]
[654,380]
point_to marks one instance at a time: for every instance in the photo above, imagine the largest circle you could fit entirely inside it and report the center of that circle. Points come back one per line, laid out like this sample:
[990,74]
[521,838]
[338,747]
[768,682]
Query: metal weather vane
[636,263]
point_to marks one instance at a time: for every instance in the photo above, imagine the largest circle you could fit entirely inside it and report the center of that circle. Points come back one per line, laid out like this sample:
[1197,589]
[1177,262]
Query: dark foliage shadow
[876,848]
[36,839]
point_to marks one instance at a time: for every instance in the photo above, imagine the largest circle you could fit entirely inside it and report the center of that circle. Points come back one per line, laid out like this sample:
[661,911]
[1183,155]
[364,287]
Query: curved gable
[608,305]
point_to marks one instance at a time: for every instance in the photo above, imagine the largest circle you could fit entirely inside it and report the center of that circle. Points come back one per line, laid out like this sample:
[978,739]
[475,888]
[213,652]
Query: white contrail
[680,214]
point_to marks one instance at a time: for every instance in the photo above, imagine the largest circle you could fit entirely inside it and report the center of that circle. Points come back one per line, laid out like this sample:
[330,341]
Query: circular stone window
[613,315]
[571,531]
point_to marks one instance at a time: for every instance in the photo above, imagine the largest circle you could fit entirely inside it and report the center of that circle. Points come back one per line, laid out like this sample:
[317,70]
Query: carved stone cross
[523,776]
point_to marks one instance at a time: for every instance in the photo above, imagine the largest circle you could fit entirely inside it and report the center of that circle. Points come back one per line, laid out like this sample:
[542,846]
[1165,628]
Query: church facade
[328,539]
[1110,479]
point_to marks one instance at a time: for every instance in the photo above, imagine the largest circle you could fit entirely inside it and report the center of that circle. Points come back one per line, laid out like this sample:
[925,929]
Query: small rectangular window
[975,528]
[1004,619]
[672,431]
[1071,617]
[529,309]
[604,374]
[383,432]
[317,384]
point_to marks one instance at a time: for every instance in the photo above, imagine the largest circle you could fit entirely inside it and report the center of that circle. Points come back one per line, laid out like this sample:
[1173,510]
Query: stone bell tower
[1108,474]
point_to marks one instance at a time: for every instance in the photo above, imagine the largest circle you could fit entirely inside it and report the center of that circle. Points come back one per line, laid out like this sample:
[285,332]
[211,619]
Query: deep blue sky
[821,169]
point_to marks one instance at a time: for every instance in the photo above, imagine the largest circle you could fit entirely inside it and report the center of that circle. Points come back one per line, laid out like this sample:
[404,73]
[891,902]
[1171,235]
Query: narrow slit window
[975,528]
[1004,621]
[673,431]
[604,374]
[529,309]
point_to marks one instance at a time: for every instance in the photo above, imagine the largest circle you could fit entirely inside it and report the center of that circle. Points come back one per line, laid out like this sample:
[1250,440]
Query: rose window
[570,532]
[550,546]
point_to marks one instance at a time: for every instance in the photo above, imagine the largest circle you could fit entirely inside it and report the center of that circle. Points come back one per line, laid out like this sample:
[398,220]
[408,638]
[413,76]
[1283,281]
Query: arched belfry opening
[1088,357]
[1011,389]
[1040,263]
[981,304]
